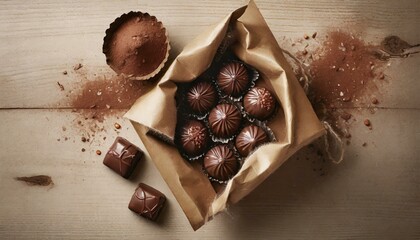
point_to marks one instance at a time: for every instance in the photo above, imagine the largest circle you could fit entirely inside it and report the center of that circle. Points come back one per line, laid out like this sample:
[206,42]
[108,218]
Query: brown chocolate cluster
[222,118]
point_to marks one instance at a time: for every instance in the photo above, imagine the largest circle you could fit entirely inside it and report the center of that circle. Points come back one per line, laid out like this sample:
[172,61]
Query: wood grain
[373,194]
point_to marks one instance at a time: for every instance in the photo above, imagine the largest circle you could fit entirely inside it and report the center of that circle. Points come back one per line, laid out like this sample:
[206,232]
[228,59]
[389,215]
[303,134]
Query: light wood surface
[373,194]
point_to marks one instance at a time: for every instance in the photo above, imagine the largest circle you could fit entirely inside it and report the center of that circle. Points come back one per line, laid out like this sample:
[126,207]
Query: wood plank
[41,39]
[373,194]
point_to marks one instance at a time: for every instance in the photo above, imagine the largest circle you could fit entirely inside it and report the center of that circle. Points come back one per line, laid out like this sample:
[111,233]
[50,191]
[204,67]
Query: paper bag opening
[156,113]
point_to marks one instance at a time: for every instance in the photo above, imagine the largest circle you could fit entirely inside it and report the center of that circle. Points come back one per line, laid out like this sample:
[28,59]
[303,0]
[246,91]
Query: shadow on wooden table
[296,192]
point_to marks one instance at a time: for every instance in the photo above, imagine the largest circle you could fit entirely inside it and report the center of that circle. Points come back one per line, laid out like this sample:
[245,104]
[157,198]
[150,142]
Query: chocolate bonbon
[194,138]
[221,163]
[122,157]
[233,79]
[249,138]
[147,201]
[201,97]
[259,103]
[224,120]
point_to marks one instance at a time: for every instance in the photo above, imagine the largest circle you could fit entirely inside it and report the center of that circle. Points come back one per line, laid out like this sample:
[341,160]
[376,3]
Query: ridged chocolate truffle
[224,120]
[233,79]
[249,138]
[259,103]
[194,138]
[220,163]
[136,45]
[201,97]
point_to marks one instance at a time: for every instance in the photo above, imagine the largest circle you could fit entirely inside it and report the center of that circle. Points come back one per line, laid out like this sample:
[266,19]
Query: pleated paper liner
[143,56]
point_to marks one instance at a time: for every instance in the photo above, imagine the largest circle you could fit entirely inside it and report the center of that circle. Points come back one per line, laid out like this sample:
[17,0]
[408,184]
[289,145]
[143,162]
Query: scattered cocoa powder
[38,180]
[97,98]
[343,70]
[395,45]
[60,86]
[346,116]
[77,66]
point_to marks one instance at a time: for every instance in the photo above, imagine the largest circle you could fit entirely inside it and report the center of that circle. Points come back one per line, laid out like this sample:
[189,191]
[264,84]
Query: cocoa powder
[345,67]
[38,180]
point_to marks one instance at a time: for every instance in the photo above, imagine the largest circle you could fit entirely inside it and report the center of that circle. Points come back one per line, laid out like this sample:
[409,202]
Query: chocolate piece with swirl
[221,163]
[194,138]
[249,138]
[233,79]
[225,120]
[201,97]
[147,201]
[122,157]
[259,103]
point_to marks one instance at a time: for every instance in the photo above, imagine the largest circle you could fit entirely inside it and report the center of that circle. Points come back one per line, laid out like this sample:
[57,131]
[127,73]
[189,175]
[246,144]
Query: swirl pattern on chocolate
[201,97]
[220,163]
[194,138]
[233,79]
[249,138]
[225,119]
[259,103]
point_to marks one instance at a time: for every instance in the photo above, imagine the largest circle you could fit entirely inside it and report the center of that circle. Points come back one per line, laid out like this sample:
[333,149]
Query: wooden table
[373,194]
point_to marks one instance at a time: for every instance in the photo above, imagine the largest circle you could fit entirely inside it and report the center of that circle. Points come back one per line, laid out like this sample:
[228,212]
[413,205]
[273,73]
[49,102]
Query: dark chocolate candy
[147,201]
[249,138]
[233,79]
[225,120]
[259,103]
[122,157]
[220,163]
[194,138]
[201,97]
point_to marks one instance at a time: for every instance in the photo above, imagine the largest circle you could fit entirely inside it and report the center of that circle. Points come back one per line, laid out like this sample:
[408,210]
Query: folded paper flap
[193,191]
[298,125]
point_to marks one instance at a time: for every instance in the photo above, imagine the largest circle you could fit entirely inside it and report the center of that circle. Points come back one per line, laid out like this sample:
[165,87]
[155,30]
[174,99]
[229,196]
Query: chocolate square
[122,157]
[147,201]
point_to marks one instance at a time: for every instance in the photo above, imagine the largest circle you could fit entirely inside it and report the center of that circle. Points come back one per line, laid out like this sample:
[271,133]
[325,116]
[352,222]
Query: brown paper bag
[295,127]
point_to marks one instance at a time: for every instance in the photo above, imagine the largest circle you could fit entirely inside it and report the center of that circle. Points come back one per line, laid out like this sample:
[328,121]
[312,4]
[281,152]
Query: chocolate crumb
[64,72]
[38,180]
[346,116]
[98,152]
[381,76]
[304,52]
[367,123]
[84,139]
[314,35]
[364,144]
[117,126]
[305,36]
[77,66]
[375,101]
[61,86]
[83,150]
